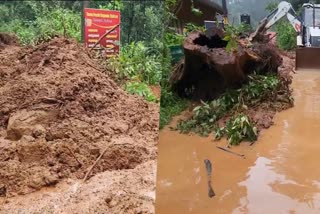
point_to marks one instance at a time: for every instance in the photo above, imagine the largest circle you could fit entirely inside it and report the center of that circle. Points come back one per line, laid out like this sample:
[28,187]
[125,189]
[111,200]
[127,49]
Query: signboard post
[97,23]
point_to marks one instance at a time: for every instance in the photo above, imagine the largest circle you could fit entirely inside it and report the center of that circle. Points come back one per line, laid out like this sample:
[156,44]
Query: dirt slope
[58,112]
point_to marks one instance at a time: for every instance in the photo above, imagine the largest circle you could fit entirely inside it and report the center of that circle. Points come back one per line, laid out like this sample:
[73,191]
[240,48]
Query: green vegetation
[141,89]
[192,27]
[43,23]
[194,10]
[137,62]
[238,129]
[171,104]
[205,117]
[286,34]
[173,39]
[136,68]
[36,20]
[231,36]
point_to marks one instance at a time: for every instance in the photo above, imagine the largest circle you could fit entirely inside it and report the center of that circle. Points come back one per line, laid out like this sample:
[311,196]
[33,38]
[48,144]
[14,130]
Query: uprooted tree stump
[209,69]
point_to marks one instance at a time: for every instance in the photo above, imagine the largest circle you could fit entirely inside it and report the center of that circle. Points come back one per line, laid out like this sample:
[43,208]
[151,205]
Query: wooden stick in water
[208,165]
[229,151]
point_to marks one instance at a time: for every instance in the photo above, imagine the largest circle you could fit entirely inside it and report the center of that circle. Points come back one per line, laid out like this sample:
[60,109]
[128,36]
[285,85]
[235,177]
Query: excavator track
[308,58]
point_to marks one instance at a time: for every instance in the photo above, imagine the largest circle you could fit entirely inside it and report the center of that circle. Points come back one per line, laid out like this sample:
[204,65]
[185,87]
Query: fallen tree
[209,68]
[241,84]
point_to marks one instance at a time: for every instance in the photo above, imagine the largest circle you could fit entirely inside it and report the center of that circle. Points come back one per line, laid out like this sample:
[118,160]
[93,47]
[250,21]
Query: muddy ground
[58,112]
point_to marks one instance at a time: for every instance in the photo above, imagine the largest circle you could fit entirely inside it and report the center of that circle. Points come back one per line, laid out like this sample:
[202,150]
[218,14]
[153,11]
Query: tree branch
[104,35]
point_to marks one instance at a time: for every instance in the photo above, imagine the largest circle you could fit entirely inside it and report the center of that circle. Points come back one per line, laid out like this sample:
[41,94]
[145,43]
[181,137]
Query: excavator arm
[306,51]
[284,9]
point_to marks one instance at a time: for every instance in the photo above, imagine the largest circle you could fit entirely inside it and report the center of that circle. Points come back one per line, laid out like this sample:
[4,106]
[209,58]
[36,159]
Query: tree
[33,20]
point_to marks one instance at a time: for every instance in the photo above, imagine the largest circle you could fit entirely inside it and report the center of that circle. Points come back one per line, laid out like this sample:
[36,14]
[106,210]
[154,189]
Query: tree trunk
[209,68]
[130,21]
[85,4]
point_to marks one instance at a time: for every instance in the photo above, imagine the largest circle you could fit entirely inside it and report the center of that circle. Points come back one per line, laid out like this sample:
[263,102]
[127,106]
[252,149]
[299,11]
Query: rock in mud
[28,123]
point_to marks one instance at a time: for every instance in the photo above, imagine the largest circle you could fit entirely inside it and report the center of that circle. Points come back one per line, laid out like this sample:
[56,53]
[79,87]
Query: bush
[48,23]
[25,32]
[140,89]
[59,21]
[286,36]
[238,129]
[135,63]
[173,39]
[206,116]
[138,66]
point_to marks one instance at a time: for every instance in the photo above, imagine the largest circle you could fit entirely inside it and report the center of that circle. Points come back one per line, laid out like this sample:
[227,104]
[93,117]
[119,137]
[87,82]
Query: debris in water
[227,150]
[209,172]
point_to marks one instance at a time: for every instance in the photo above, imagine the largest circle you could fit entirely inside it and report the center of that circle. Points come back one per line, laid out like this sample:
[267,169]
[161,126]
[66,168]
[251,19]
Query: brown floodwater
[281,172]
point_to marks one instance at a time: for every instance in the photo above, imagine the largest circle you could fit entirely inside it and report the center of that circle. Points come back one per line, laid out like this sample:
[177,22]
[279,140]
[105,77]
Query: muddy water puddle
[280,174]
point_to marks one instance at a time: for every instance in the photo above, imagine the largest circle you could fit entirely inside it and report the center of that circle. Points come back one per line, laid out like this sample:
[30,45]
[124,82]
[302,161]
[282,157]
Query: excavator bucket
[307,58]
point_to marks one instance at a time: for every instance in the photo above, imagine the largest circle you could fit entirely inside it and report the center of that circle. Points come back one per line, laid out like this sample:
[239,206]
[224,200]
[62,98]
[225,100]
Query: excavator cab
[311,25]
[306,56]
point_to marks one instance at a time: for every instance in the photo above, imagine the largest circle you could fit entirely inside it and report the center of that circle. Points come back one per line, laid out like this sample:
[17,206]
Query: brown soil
[118,191]
[156,90]
[58,112]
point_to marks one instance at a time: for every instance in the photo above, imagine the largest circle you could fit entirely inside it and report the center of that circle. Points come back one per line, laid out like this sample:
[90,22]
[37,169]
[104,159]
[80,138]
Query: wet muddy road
[280,174]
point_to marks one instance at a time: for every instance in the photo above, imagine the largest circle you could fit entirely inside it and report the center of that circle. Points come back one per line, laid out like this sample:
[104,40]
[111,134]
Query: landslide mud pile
[59,111]
[209,68]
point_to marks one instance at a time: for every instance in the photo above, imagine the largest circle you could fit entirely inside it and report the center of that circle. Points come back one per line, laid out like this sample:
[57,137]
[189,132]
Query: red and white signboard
[97,23]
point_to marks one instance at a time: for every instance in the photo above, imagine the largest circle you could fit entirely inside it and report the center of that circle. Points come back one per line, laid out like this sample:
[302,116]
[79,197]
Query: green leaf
[227,38]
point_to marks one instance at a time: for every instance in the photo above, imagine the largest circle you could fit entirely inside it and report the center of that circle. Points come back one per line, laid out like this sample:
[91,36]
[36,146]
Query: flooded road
[280,174]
